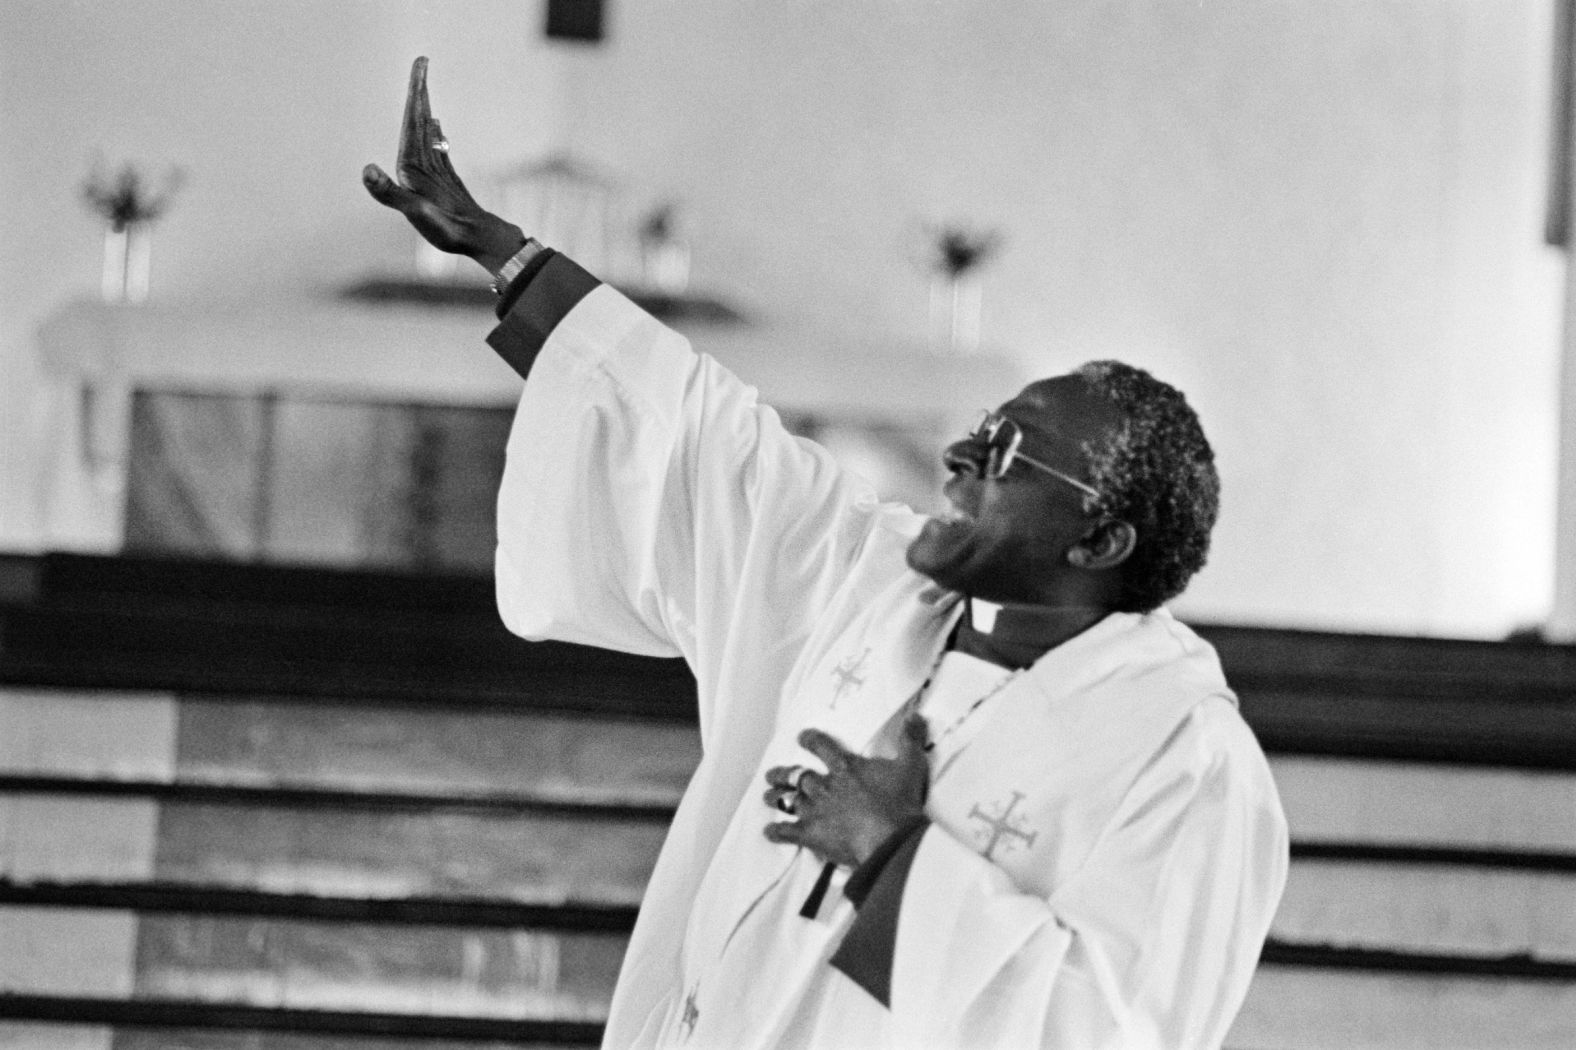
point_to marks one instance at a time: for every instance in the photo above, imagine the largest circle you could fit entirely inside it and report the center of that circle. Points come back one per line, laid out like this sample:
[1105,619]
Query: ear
[1105,546]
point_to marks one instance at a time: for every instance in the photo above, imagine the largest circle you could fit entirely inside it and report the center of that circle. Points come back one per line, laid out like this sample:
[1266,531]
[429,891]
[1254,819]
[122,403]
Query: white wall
[271,107]
[1321,220]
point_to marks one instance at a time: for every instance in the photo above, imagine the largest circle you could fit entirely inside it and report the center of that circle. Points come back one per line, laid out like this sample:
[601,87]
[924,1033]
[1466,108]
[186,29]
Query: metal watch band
[511,269]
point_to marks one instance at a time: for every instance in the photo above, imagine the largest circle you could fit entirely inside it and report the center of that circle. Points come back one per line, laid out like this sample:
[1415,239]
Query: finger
[438,159]
[780,798]
[413,132]
[787,776]
[385,190]
[787,832]
[810,785]
[826,748]
[447,172]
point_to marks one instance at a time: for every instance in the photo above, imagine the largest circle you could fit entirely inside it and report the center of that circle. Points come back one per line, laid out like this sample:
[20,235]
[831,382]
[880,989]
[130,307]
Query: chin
[939,565]
[915,556]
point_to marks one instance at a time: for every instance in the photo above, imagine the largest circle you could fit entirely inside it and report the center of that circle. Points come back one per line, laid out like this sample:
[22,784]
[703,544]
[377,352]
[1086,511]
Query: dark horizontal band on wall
[1393,665]
[150,1013]
[430,664]
[181,898]
[1336,957]
[1332,722]
[61,578]
[334,635]
[287,797]
[1549,861]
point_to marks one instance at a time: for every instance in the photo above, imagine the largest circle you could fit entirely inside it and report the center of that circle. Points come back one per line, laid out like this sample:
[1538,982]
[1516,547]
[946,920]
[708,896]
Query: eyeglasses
[1002,437]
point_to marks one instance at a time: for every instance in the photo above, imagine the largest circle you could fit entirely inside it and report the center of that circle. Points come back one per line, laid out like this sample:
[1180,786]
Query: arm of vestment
[649,503]
[1151,943]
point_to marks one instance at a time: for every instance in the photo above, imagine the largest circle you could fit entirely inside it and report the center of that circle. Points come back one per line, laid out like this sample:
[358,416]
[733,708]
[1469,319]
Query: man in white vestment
[965,781]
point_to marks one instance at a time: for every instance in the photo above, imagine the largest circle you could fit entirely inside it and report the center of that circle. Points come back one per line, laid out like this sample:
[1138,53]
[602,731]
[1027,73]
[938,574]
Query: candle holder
[129,209]
[128,262]
[956,292]
[664,258]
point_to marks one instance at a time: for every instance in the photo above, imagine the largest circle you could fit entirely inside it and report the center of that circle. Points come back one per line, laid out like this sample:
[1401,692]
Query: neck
[1021,634]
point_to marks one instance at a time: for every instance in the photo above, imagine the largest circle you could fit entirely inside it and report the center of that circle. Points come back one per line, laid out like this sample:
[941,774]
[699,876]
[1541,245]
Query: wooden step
[64,838]
[1410,803]
[360,785]
[67,951]
[1424,902]
[269,742]
[1311,1009]
[1342,892]
[376,852]
[21,1035]
[495,973]
[1430,908]
[112,733]
[549,859]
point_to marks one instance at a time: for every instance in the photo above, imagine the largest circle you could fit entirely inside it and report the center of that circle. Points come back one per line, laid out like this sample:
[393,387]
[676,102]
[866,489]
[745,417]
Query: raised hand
[857,804]
[429,192]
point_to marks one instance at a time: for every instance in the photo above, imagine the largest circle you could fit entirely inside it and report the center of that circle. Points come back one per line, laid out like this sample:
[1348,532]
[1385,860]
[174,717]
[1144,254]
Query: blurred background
[1324,222]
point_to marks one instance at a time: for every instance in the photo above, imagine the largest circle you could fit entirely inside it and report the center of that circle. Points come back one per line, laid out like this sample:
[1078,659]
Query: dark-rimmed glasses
[1002,438]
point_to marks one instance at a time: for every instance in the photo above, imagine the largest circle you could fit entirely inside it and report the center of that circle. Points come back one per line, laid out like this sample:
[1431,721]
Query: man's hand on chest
[845,813]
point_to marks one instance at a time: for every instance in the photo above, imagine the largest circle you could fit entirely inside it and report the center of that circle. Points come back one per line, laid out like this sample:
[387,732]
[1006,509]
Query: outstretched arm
[649,503]
[430,194]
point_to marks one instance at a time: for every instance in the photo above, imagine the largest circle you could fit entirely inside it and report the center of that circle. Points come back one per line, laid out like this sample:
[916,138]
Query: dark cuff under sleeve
[876,889]
[535,301]
[521,279]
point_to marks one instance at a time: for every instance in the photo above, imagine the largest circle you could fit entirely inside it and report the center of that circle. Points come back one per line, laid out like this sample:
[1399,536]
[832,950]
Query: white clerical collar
[982,615]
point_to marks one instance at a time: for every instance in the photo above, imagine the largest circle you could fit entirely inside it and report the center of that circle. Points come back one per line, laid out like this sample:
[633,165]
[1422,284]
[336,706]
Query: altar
[371,431]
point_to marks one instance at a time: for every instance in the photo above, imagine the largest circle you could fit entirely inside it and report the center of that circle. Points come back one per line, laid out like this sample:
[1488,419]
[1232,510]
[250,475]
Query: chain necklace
[919,696]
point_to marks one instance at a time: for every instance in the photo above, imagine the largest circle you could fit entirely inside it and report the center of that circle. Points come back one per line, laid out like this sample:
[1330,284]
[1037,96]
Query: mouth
[945,538]
[953,515]
[959,506]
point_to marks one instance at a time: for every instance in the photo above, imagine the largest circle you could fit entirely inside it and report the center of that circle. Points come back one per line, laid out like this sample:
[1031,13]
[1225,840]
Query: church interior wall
[1323,222]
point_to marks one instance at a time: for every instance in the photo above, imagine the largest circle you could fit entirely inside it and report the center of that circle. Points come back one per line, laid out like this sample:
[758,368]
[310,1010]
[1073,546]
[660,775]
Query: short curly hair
[1155,471]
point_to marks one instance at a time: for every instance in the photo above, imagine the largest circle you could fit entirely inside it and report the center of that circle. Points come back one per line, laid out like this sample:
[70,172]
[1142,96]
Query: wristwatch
[511,269]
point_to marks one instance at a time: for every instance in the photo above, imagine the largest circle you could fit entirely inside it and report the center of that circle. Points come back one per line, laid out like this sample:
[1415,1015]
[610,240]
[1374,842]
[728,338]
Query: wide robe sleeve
[1150,944]
[650,504]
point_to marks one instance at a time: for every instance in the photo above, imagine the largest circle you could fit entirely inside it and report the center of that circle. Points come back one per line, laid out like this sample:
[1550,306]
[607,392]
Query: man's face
[1006,539]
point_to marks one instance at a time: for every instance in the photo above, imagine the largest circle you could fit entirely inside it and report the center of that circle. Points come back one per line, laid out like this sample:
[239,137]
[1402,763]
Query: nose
[965,457]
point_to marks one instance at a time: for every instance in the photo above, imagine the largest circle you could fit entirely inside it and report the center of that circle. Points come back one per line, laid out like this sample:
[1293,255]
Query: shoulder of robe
[888,529]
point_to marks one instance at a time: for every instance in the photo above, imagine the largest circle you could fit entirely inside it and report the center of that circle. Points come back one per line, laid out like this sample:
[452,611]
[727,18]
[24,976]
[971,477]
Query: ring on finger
[441,145]
[788,802]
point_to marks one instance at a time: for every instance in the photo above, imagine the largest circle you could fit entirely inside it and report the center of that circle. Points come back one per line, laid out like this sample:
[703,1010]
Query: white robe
[1107,847]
